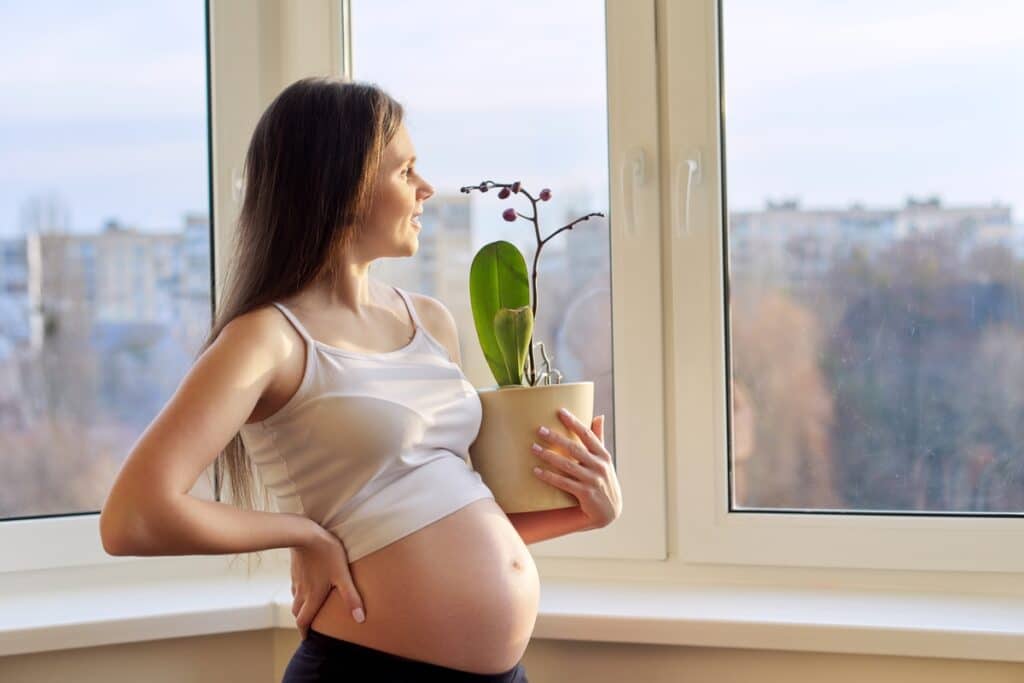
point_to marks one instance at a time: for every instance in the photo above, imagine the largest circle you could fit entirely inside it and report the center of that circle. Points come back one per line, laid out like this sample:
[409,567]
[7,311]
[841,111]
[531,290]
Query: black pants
[321,657]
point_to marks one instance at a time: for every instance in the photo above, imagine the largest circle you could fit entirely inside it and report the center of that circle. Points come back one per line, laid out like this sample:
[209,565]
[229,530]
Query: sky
[103,103]
[488,100]
[835,102]
[829,103]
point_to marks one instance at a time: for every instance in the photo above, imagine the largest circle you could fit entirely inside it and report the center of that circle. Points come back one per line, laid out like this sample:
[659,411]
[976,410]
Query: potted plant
[525,396]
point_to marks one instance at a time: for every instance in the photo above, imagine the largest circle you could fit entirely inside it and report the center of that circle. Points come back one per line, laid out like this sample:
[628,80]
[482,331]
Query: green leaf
[497,279]
[513,329]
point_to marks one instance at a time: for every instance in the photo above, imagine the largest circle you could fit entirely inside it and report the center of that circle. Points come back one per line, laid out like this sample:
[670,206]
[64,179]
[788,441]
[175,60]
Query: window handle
[633,174]
[686,170]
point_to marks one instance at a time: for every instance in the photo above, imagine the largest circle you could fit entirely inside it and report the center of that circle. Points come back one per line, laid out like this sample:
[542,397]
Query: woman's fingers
[567,465]
[352,599]
[308,611]
[591,443]
[346,587]
[300,623]
[305,617]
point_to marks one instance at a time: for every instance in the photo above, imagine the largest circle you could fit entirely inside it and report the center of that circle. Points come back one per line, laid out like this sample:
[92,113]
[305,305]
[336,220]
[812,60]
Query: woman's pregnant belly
[461,592]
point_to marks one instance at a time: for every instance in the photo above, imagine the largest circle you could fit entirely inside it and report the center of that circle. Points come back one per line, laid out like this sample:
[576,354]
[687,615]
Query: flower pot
[501,452]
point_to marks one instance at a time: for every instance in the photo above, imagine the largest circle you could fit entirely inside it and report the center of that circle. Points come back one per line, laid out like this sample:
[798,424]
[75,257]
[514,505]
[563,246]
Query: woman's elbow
[113,530]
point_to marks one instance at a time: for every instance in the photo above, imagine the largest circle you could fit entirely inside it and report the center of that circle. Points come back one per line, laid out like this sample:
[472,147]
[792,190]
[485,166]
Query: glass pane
[875,190]
[505,97]
[104,238]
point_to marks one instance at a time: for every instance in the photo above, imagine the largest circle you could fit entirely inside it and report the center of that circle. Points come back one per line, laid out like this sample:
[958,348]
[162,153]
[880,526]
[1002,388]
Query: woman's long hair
[309,181]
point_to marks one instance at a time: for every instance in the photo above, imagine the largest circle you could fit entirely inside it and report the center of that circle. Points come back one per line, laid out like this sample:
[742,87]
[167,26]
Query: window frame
[286,41]
[675,527]
[640,533]
[292,40]
[708,531]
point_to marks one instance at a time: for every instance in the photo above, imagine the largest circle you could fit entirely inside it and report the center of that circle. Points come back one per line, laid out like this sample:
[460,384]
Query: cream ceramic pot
[501,452]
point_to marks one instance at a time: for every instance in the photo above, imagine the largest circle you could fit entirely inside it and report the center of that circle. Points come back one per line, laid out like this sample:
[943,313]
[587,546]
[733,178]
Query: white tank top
[372,446]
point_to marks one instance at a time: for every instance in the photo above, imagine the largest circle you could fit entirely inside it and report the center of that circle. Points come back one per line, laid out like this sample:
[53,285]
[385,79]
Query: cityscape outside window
[875,187]
[105,287]
[873,230]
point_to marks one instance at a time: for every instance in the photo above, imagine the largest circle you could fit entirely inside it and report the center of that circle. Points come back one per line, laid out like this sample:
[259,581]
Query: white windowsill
[99,611]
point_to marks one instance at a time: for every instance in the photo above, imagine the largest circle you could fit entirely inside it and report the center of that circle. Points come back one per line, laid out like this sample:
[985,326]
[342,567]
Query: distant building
[44,214]
[787,244]
[14,303]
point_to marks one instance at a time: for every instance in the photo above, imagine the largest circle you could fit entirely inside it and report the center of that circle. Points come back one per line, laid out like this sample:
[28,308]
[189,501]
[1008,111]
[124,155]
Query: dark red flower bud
[545,194]
[483,188]
[509,215]
[504,193]
[515,187]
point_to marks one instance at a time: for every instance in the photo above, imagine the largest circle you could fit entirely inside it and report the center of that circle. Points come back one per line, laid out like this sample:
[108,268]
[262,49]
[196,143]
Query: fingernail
[543,431]
[563,411]
[358,615]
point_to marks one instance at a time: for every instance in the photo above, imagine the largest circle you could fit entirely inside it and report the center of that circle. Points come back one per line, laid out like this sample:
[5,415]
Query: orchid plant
[503,308]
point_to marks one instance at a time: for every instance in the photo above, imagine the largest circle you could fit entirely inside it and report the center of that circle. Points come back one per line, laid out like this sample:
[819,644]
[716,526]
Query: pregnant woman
[346,399]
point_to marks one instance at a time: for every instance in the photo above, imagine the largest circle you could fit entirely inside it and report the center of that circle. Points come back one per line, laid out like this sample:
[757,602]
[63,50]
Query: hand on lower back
[316,569]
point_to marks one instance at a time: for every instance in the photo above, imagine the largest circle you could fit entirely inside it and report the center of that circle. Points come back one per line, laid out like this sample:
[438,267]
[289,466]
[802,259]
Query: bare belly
[461,592]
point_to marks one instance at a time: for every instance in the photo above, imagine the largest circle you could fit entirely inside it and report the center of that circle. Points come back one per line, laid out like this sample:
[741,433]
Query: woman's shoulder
[429,309]
[263,330]
[266,343]
[262,321]
[439,321]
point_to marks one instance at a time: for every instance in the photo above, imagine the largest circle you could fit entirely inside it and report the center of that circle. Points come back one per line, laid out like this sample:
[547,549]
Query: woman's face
[398,199]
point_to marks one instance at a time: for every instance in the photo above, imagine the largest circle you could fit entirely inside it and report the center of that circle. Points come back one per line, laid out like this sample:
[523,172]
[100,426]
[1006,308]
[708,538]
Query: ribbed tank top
[372,446]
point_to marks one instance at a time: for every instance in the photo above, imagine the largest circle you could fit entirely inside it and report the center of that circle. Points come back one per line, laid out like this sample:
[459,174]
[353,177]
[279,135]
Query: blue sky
[835,102]
[104,102]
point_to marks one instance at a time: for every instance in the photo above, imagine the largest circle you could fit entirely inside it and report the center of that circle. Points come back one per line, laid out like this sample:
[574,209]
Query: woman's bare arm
[148,510]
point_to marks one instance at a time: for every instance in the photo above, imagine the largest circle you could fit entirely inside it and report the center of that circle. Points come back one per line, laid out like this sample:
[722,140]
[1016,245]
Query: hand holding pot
[589,475]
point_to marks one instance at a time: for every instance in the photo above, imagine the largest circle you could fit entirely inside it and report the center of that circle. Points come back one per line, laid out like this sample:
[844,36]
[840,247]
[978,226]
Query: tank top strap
[408,304]
[295,322]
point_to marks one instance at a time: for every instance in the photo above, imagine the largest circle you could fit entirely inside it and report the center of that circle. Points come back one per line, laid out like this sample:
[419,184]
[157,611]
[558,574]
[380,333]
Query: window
[104,137]
[316,38]
[540,114]
[516,119]
[875,369]
[860,373]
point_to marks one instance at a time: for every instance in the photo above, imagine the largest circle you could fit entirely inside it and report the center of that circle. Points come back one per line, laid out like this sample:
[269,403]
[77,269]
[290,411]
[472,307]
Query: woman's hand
[590,475]
[316,569]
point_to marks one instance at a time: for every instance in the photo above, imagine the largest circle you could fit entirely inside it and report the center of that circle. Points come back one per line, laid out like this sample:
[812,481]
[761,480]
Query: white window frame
[709,532]
[671,451]
[255,51]
[640,533]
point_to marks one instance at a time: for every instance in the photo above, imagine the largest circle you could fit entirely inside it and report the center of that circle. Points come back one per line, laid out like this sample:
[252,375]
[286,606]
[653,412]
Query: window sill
[178,600]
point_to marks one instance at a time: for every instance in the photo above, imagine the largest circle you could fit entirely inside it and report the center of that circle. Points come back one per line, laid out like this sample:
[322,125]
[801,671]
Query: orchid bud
[515,187]
[483,188]
[545,194]
[509,215]
[504,193]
